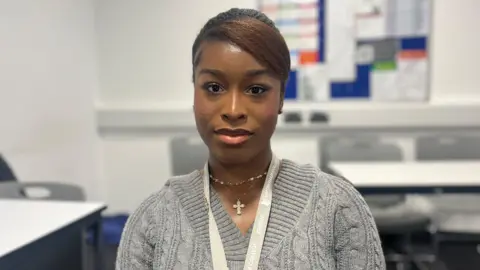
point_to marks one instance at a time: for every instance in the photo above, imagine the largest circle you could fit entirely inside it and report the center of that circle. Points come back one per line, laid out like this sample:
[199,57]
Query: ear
[280,108]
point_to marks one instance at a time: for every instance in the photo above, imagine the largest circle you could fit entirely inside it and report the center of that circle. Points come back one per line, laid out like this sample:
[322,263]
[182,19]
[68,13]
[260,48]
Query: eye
[213,88]
[256,90]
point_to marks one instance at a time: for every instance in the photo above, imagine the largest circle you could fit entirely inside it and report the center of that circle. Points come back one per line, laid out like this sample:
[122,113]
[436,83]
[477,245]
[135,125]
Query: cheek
[269,116]
[201,109]
[270,113]
[272,107]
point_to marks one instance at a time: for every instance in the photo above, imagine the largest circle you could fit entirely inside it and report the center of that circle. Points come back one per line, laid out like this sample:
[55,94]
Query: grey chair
[6,172]
[393,214]
[361,149]
[44,190]
[448,147]
[187,154]
[457,215]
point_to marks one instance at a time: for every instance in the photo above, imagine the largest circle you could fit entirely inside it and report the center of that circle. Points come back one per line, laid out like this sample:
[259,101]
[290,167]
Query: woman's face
[236,102]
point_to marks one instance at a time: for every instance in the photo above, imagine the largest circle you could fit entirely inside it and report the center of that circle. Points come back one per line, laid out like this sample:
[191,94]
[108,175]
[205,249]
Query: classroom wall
[48,80]
[144,62]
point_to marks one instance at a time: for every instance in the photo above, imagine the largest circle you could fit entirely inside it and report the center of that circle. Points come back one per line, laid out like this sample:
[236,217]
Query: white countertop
[25,221]
[410,174]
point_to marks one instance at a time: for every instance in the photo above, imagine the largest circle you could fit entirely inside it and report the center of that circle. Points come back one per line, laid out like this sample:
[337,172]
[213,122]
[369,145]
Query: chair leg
[400,266]
[420,265]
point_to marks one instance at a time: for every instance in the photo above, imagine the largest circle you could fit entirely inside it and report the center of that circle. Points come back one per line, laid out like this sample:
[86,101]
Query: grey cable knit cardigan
[317,221]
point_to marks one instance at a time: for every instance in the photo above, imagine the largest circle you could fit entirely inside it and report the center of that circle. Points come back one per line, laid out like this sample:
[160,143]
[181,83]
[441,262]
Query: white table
[28,226]
[450,176]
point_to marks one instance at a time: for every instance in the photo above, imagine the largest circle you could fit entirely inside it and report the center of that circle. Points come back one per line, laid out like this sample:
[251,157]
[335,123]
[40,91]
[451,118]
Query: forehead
[226,56]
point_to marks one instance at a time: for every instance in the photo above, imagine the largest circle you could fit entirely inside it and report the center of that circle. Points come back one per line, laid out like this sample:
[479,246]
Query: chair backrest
[6,172]
[11,190]
[359,149]
[362,149]
[41,191]
[438,147]
[187,155]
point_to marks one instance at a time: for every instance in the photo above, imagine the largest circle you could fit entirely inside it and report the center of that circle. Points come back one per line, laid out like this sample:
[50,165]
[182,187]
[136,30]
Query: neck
[236,173]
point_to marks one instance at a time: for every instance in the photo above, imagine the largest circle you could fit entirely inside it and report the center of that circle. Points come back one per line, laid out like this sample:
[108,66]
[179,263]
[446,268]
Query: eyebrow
[249,73]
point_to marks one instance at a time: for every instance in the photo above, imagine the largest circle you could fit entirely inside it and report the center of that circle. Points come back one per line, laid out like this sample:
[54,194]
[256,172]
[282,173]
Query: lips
[233,136]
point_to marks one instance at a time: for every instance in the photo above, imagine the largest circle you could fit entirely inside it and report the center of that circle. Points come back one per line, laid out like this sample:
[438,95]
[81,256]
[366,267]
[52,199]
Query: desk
[414,177]
[46,235]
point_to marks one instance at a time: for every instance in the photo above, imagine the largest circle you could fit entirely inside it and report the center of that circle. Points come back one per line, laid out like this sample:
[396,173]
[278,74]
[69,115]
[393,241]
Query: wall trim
[340,116]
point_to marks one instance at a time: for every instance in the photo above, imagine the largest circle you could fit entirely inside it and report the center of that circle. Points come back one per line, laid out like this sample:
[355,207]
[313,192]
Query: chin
[233,155]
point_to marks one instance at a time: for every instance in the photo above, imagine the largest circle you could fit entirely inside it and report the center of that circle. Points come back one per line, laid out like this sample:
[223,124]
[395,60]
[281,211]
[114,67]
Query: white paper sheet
[308,13]
[405,17]
[412,80]
[294,60]
[290,13]
[384,86]
[340,43]
[371,19]
[365,54]
[270,2]
[412,17]
[313,83]
[308,43]
[293,42]
[309,29]
[425,20]
[303,1]
[290,29]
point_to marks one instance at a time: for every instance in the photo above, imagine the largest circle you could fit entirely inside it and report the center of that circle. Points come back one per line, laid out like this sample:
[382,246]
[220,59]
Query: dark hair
[253,32]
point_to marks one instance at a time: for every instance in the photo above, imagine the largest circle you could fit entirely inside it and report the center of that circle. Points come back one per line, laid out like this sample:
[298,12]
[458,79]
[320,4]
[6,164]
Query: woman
[247,209]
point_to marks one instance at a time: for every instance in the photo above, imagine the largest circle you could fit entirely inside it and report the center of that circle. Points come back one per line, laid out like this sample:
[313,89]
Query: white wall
[144,59]
[456,40]
[48,79]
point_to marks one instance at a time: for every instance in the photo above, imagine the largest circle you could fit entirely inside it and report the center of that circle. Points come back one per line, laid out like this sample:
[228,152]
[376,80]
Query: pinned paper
[371,17]
[341,40]
[314,83]
[411,17]
[298,22]
[384,79]
[365,54]
[412,79]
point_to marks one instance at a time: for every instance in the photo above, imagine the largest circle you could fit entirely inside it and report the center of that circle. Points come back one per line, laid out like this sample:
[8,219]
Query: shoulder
[150,222]
[323,185]
[356,240]
[335,196]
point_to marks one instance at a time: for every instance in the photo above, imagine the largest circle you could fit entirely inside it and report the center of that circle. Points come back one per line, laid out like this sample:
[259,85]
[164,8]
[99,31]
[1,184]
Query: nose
[234,112]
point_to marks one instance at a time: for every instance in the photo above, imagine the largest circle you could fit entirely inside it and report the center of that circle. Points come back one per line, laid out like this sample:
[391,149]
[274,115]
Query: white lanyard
[259,228]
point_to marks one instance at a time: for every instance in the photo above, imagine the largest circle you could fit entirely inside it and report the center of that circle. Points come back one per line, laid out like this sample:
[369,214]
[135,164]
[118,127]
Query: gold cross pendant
[239,207]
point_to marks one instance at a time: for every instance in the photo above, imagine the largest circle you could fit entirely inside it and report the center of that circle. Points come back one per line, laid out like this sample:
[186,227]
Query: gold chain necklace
[238,183]
[239,205]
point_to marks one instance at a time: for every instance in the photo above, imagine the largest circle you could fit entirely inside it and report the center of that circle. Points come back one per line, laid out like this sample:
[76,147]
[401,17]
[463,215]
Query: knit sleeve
[136,249]
[357,242]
